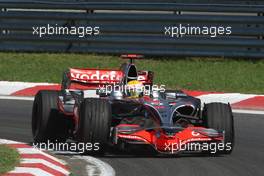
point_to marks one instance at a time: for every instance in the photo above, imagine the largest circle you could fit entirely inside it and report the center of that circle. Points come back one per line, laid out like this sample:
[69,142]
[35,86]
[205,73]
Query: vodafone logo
[96,75]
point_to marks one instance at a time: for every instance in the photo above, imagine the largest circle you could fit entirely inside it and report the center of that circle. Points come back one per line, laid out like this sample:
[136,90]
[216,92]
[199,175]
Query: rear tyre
[47,123]
[219,116]
[95,123]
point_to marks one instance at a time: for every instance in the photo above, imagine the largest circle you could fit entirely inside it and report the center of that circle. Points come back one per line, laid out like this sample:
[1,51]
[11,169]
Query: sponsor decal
[96,75]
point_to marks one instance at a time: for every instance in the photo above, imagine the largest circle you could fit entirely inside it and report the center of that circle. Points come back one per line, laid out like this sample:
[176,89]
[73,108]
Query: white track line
[243,111]
[7,87]
[6,97]
[225,98]
[105,169]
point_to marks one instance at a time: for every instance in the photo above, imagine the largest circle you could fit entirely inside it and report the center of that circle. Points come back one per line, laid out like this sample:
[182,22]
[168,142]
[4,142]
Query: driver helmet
[135,89]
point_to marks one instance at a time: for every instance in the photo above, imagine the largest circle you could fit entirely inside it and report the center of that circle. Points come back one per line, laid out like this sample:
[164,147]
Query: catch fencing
[149,28]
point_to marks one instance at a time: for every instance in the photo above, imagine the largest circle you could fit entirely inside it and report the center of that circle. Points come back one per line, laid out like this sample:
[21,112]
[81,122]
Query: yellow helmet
[135,89]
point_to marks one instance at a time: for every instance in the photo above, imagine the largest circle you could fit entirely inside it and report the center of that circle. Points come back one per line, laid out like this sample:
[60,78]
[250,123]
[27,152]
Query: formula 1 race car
[120,107]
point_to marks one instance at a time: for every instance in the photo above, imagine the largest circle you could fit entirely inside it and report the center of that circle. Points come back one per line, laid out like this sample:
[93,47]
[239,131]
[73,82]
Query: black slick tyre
[94,124]
[219,116]
[47,123]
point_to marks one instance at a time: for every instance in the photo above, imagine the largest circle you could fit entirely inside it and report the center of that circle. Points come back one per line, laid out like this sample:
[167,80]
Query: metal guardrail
[135,27]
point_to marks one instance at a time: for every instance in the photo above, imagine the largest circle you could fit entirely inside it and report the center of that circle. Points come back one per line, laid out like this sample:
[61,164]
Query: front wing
[170,140]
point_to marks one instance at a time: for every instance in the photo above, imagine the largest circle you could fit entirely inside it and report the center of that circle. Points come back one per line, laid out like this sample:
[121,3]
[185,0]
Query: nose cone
[171,131]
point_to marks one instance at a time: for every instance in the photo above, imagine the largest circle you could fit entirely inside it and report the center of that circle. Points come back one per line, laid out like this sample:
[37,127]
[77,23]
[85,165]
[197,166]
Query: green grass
[8,158]
[229,75]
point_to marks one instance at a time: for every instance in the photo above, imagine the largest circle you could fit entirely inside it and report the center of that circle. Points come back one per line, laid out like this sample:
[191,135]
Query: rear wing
[131,57]
[84,79]
[96,76]
[89,78]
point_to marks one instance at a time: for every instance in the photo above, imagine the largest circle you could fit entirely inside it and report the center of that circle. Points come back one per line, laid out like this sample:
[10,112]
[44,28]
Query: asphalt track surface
[246,159]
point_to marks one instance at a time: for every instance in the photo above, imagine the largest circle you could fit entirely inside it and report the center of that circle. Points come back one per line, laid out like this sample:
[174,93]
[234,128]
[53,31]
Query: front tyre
[219,116]
[47,123]
[95,123]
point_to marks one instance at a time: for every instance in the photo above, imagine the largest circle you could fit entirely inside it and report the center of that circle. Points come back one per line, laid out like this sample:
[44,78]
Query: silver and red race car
[122,107]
